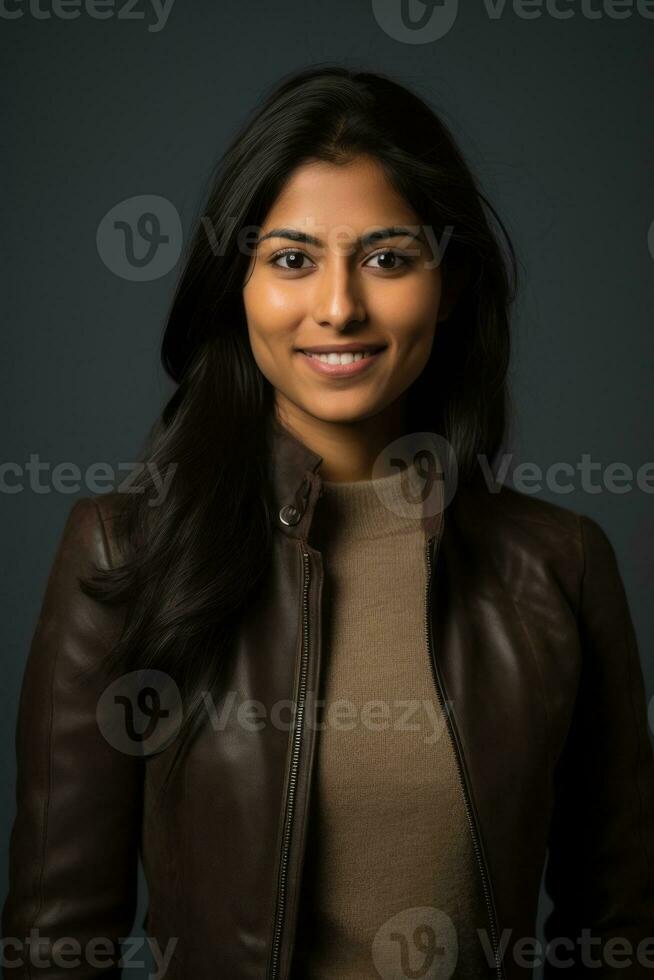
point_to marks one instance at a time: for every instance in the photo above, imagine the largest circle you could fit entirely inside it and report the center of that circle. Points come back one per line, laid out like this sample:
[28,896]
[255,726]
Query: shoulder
[74,629]
[90,534]
[530,537]
[512,511]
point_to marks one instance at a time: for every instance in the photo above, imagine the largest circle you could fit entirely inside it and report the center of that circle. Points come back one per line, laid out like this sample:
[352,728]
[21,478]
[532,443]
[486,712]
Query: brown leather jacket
[532,645]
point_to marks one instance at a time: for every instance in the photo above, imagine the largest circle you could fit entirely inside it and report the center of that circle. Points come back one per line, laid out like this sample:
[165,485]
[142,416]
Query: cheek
[272,313]
[412,305]
[271,329]
[413,325]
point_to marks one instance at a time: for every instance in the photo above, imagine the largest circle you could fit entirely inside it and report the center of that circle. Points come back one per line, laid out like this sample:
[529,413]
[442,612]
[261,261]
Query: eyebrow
[299,236]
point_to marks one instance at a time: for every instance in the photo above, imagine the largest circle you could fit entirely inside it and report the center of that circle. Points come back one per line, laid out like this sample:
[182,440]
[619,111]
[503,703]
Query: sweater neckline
[373,508]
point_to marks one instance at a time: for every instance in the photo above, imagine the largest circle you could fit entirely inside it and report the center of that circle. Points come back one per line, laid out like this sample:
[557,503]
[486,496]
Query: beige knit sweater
[390,885]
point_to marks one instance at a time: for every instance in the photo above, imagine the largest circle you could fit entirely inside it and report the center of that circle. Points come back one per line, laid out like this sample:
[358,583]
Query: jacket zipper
[492,915]
[295,760]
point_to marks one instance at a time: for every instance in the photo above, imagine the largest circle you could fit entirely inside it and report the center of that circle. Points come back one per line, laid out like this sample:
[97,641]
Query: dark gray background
[553,117]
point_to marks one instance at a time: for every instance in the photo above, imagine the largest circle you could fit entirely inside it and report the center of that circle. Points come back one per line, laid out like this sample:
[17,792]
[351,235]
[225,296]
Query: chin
[343,416]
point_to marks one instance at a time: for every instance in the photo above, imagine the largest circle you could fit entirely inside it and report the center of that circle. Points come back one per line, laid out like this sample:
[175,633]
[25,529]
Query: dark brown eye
[293,258]
[389,260]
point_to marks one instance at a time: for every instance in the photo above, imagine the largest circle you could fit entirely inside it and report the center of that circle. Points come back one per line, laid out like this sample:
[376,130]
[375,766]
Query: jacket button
[289,515]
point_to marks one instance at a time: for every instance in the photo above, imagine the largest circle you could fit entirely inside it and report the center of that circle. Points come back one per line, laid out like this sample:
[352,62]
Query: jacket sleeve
[600,873]
[74,841]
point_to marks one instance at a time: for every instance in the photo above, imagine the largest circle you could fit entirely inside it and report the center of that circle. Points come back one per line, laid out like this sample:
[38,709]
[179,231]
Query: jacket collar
[298,485]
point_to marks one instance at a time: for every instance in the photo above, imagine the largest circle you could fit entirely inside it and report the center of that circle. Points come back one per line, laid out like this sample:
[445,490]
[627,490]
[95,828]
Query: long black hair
[192,563]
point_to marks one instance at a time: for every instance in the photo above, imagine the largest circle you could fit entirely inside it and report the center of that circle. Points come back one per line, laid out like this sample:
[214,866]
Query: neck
[349,450]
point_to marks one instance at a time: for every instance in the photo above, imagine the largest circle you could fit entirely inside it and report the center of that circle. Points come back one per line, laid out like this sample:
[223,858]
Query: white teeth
[334,358]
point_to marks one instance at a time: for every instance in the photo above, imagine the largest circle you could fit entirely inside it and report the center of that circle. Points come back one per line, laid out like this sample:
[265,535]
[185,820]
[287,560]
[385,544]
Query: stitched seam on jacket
[582,577]
[46,804]
[635,719]
[103,532]
[46,807]
[534,657]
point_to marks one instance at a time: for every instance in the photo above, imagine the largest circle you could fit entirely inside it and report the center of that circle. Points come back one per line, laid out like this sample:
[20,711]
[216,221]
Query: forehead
[357,194]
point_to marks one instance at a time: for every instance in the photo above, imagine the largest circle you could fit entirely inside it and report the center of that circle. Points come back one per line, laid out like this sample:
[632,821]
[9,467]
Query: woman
[342,696]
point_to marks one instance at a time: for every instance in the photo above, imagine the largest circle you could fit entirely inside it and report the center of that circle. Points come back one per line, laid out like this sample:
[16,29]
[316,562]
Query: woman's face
[332,289]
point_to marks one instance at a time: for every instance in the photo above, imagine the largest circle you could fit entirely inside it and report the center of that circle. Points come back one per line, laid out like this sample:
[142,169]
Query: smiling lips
[341,360]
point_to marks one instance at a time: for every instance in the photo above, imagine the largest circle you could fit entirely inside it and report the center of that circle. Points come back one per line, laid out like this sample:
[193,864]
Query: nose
[338,300]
